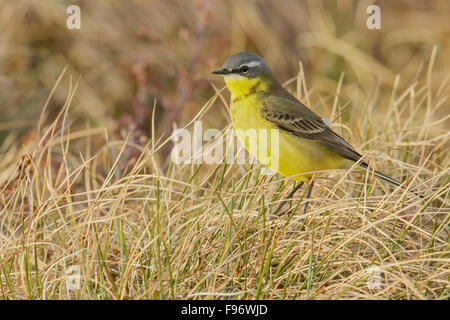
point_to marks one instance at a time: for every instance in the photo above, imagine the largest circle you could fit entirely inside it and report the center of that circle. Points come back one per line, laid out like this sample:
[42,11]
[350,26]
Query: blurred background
[130,54]
[75,193]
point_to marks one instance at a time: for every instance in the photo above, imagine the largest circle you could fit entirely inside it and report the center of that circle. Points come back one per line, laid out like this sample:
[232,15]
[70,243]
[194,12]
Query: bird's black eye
[243,69]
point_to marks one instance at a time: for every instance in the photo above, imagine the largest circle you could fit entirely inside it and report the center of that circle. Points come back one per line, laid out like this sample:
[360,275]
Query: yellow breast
[283,152]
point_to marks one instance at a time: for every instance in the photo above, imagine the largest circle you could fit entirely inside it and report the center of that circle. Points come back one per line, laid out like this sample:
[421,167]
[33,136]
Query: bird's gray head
[243,64]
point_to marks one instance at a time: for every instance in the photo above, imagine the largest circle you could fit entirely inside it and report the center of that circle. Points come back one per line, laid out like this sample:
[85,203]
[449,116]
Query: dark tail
[384,177]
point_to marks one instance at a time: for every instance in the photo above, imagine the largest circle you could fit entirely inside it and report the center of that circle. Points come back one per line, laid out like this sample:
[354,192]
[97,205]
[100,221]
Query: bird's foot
[288,212]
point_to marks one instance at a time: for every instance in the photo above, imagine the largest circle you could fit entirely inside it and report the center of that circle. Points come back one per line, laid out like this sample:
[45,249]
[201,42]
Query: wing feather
[292,116]
[289,114]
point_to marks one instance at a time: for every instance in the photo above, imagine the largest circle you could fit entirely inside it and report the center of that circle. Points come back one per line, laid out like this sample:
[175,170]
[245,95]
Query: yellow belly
[297,157]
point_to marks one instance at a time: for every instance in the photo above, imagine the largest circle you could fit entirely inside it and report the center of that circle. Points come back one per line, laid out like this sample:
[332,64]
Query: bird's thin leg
[290,195]
[308,194]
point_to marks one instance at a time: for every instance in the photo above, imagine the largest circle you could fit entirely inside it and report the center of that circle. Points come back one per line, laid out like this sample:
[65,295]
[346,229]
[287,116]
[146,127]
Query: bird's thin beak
[221,72]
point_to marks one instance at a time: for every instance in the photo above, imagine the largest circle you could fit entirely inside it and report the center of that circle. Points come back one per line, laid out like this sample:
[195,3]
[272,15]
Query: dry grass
[85,179]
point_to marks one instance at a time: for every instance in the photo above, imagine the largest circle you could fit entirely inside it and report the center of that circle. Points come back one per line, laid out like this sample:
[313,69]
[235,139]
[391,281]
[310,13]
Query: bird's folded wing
[295,118]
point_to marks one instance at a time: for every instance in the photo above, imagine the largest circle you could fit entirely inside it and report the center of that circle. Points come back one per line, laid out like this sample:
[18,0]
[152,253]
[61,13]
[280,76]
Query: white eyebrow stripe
[251,64]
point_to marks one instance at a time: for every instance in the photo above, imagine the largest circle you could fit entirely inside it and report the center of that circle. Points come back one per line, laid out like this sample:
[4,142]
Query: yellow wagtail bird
[306,143]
